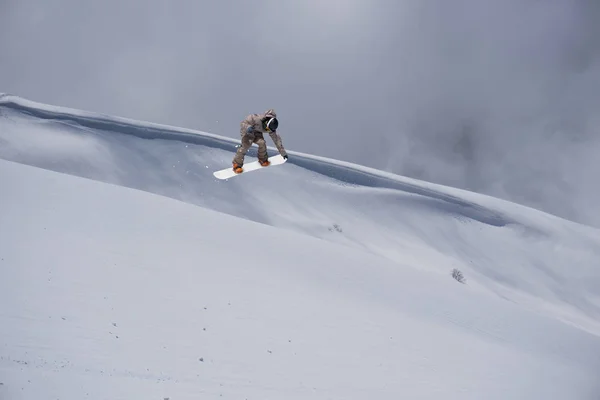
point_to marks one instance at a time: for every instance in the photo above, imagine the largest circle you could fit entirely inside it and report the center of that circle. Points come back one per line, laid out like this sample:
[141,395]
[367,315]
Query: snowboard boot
[237,168]
[265,163]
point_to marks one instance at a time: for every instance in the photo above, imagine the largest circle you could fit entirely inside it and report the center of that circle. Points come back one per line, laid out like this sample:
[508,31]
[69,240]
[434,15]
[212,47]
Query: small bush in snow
[456,274]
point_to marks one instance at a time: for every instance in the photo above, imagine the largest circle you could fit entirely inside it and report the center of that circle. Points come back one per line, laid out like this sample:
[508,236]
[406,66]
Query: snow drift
[349,264]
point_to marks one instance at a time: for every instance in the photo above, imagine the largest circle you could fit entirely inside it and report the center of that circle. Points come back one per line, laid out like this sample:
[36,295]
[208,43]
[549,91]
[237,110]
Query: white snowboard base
[227,173]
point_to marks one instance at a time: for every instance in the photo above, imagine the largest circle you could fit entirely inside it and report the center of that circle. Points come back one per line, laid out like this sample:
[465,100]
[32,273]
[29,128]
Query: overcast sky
[496,96]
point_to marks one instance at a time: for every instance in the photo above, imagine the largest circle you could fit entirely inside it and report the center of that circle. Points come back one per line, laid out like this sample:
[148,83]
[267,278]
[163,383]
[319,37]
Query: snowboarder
[251,131]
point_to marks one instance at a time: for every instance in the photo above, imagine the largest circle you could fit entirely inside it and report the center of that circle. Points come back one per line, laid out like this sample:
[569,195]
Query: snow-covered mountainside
[316,278]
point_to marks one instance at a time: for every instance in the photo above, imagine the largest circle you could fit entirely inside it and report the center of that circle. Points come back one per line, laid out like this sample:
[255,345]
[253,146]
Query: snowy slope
[349,264]
[114,293]
[520,254]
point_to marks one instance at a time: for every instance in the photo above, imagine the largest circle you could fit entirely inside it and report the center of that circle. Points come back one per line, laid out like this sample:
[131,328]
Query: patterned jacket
[255,121]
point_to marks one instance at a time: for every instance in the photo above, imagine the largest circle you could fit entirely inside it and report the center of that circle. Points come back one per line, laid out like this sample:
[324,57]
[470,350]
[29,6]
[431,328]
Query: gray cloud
[497,96]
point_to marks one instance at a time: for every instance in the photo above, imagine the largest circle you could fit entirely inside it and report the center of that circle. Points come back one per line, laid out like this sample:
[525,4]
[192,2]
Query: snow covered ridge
[503,249]
[346,172]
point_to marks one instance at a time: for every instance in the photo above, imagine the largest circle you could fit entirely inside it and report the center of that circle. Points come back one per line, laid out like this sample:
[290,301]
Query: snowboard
[228,172]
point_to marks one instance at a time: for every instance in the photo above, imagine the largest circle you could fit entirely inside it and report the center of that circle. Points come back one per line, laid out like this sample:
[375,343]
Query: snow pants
[247,140]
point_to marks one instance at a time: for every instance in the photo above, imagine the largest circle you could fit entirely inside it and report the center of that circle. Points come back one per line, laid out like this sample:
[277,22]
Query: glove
[250,129]
[285,157]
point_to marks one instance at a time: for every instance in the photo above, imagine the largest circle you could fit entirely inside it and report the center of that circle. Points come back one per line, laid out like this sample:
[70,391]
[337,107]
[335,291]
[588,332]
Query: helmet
[270,124]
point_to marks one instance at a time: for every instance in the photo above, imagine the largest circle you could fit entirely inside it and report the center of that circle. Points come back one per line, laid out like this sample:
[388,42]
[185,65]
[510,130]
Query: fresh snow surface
[314,279]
